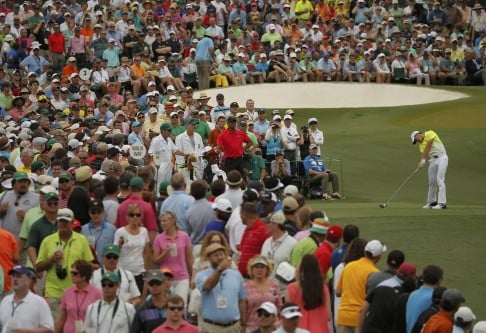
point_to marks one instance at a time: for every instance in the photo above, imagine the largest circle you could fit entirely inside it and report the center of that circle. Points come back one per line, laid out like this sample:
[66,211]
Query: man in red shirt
[230,142]
[135,197]
[56,42]
[254,236]
[324,252]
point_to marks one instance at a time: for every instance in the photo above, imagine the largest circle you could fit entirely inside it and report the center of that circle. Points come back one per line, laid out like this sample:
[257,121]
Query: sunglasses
[107,285]
[53,204]
[134,215]
[155,283]
[263,313]
[175,308]
[96,212]
[75,273]
[111,257]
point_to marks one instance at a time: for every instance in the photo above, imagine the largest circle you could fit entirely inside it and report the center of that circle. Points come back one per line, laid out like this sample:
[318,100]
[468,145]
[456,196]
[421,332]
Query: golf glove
[421,163]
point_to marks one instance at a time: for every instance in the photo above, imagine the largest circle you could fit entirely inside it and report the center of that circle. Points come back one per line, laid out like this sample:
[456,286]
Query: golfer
[432,148]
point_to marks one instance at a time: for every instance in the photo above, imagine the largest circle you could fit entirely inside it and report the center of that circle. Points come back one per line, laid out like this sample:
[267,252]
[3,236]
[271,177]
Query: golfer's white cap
[412,136]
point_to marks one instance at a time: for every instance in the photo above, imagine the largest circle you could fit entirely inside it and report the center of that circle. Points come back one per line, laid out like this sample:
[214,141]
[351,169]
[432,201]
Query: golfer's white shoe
[440,206]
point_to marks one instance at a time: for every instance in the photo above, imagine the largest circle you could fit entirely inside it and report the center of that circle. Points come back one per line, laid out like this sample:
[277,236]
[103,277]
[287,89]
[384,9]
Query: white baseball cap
[375,248]
[223,205]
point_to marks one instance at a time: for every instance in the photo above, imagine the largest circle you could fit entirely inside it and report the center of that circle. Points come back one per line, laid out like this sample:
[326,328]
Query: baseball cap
[50,195]
[250,196]
[480,326]
[269,307]
[313,146]
[277,218]
[110,276]
[21,176]
[412,136]
[375,248]
[136,183]
[287,116]
[155,275]
[407,269]
[290,311]
[213,248]
[465,314]
[153,110]
[312,120]
[96,205]
[22,270]
[163,187]
[289,204]
[65,175]
[65,214]
[290,190]
[223,205]
[334,233]
[267,197]
[111,249]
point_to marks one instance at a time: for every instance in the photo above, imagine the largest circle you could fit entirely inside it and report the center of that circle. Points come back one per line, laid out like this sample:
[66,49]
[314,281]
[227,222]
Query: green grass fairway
[377,155]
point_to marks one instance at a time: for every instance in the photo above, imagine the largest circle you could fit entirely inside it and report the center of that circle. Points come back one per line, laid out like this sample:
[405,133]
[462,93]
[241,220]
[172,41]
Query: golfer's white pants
[164,173]
[437,173]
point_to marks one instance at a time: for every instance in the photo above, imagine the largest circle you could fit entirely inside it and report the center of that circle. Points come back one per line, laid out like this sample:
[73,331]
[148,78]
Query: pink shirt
[148,218]
[175,260]
[77,44]
[75,302]
[255,299]
[184,327]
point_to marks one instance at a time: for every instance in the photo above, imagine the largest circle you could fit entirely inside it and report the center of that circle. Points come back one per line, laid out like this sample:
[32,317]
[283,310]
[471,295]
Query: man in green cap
[162,195]
[128,290]
[161,149]
[190,144]
[16,203]
[109,314]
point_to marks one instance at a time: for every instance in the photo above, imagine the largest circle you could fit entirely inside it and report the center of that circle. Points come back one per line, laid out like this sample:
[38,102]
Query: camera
[61,272]
[305,128]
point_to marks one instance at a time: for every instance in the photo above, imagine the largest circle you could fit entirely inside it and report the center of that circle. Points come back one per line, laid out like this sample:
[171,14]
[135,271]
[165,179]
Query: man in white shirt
[128,290]
[109,314]
[22,310]
[290,135]
[317,134]
[190,144]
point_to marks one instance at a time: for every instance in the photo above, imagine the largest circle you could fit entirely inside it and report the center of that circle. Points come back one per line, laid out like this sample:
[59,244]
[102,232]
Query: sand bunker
[333,95]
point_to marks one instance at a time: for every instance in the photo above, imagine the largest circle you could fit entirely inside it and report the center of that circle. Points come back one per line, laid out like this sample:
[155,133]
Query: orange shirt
[138,71]
[8,253]
[68,70]
[324,11]
[440,322]
[213,136]
[88,32]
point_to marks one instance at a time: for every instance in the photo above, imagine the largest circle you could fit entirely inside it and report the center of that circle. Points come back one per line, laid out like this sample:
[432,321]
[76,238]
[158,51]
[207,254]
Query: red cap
[334,233]
[76,224]
[253,4]
[407,269]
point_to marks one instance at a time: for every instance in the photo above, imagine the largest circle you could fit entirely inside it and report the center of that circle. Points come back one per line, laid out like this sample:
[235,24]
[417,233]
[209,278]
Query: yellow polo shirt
[353,286]
[75,248]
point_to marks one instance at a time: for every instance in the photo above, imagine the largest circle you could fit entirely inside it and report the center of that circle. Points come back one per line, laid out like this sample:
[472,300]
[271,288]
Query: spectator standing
[324,252]
[443,321]
[35,314]
[309,245]
[393,261]
[9,256]
[253,238]
[115,315]
[204,58]
[233,193]
[221,288]
[175,323]
[172,250]
[350,232]
[179,201]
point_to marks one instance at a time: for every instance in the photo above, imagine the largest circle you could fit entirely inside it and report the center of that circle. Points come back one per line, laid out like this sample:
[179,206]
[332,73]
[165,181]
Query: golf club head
[383,205]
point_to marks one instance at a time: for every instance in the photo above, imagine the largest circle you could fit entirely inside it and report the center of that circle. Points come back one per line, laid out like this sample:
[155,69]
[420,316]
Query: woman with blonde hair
[172,250]
[259,289]
[134,243]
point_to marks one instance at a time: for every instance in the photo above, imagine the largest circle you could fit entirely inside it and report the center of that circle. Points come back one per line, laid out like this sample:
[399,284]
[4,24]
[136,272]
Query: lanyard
[98,323]
[273,248]
[14,307]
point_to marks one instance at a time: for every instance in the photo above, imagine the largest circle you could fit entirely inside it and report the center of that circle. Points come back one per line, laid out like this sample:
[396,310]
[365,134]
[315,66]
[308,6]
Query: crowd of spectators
[130,203]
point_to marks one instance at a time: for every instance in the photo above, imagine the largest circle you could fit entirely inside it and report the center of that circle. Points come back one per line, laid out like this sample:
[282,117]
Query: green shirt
[255,166]
[199,32]
[178,130]
[6,101]
[203,130]
[74,249]
[271,37]
[305,246]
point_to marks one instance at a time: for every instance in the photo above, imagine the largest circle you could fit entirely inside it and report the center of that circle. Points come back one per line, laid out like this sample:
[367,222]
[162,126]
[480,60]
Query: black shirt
[147,318]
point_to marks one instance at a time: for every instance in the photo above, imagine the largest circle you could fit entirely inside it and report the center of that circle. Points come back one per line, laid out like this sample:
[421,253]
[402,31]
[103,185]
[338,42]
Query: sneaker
[326,196]
[430,205]
[440,206]
[336,195]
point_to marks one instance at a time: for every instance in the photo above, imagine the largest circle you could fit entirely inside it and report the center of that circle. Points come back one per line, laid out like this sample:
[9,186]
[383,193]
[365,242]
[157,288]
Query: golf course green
[377,156]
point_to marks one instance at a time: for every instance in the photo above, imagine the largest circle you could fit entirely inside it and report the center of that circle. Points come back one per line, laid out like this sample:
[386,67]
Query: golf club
[384,205]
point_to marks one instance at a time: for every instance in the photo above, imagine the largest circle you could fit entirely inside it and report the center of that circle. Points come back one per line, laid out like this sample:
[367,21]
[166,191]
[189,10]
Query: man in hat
[128,290]
[221,288]
[98,231]
[432,148]
[351,286]
[290,316]
[233,193]
[204,58]
[57,253]
[324,252]
[34,63]
[220,109]
[319,174]
[443,321]
[16,203]
[309,245]
[161,150]
[113,311]
[33,314]
[394,260]
[190,145]
[152,313]
[233,143]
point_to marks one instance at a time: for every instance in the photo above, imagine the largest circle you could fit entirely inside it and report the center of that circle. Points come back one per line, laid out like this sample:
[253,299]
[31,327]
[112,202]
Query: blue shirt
[216,226]
[178,202]
[418,302]
[240,68]
[313,162]
[203,49]
[103,235]
[35,64]
[230,288]
[338,255]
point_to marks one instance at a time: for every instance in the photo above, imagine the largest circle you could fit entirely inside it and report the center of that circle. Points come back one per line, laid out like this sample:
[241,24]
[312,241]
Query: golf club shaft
[401,186]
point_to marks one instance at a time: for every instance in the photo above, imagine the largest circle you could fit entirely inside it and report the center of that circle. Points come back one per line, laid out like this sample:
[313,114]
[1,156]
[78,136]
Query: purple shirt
[75,302]
[175,260]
